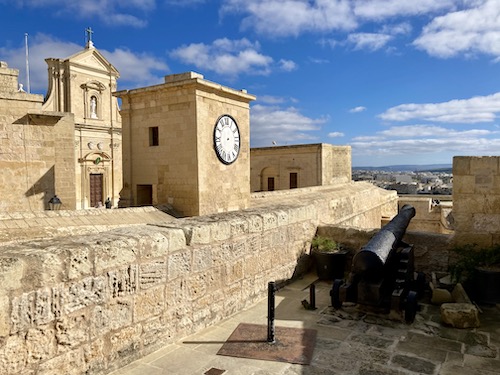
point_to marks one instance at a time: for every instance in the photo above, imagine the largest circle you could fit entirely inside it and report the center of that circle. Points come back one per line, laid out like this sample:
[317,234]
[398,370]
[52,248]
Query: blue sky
[402,82]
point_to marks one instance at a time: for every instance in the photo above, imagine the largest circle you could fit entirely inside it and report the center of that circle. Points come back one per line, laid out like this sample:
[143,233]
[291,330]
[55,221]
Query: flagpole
[27,63]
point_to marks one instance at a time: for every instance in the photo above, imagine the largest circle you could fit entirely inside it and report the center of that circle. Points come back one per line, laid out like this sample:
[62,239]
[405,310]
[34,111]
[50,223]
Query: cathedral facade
[66,144]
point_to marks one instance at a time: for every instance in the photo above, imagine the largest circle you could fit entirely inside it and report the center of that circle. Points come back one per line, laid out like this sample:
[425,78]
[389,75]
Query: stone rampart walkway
[348,342]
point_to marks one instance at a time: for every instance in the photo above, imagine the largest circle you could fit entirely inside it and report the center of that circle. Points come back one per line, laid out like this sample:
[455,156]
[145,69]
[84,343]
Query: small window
[294,180]
[153,136]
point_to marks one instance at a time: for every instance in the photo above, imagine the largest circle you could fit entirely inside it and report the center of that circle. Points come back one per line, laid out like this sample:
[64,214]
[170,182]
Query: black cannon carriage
[382,272]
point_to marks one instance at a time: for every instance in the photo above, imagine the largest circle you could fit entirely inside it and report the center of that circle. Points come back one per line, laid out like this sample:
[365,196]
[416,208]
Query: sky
[401,82]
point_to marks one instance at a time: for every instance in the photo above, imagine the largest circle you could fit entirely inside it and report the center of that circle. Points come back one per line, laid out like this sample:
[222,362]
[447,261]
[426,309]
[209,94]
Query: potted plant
[478,268]
[329,257]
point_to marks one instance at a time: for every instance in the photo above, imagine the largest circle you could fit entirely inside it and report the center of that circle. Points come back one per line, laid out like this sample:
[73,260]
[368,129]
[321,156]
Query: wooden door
[96,189]
[294,179]
[270,184]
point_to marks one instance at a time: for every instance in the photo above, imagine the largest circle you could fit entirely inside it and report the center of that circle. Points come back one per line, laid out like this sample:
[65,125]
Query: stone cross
[89,32]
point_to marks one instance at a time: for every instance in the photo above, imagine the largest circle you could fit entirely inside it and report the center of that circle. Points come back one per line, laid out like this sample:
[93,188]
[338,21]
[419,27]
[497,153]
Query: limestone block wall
[431,250]
[90,304]
[315,165]
[37,150]
[430,216]
[476,200]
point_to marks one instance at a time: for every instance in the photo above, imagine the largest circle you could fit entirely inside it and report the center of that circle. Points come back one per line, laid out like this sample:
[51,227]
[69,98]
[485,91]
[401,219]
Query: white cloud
[357,109]
[283,125]
[397,29]
[269,99]
[381,9]
[468,31]
[230,58]
[335,135]
[287,65]
[370,41]
[109,12]
[474,110]
[423,140]
[135,69]
[292,17]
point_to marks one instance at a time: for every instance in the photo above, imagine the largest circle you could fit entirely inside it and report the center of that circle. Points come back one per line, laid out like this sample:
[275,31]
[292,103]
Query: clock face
[226,139]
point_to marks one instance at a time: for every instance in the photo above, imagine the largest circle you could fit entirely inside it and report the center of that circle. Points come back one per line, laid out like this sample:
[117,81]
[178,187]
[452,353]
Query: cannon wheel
[411,306]
[335,294]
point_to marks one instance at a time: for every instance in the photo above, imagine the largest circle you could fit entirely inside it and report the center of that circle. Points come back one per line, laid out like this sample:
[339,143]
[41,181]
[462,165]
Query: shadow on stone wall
[45,185]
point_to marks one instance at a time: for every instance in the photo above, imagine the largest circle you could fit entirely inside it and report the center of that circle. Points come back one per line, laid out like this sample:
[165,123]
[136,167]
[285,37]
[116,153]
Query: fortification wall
[476,200]
[89,304]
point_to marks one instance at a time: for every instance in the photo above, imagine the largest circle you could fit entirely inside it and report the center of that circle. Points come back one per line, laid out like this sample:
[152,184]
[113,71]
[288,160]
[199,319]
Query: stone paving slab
[349,341]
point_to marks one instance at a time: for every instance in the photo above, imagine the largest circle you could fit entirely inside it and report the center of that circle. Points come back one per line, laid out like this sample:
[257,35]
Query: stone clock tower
[186,143]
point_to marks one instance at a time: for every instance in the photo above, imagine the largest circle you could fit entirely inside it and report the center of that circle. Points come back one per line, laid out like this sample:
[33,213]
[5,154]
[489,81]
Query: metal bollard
[312,297]
[271,290]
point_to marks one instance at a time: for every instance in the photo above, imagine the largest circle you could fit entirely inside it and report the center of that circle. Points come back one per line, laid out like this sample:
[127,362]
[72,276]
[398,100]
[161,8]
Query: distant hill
[409,168]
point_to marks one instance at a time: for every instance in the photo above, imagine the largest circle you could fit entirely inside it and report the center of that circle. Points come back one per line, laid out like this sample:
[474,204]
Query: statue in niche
[93,107]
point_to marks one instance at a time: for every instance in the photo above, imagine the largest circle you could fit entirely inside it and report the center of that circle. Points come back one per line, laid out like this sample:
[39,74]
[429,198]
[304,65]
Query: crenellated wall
[91,303]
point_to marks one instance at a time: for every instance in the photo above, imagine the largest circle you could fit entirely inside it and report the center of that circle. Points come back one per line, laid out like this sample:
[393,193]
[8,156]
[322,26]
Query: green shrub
[471,256]
[325,244]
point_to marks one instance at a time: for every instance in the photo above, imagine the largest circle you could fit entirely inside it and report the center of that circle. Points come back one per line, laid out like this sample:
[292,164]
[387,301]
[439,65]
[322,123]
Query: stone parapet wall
[92,303]
[476,200]
[431,250]
[433,213]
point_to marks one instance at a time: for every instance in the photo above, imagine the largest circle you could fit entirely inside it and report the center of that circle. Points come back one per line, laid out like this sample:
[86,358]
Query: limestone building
[186,143]
[83,84]
[67,143]
[37,157]
[289,167]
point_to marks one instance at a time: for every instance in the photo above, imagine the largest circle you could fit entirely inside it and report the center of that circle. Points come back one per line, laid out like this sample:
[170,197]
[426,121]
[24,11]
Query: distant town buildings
[408,182]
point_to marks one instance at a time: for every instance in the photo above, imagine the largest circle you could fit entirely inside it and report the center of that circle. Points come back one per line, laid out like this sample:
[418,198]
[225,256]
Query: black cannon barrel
[369,262]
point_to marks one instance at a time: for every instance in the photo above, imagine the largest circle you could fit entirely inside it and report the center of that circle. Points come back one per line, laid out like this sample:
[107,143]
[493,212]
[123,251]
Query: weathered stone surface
[11,273]
[418,365]
[70,363]
[460,315]
[112,316]
[80,262]
[86,292]
[440,296]
[125,342]
[72,330]
[179,264]
[459,294]
[202,258]
[152,274]
[122,282]
[13,355]
[94,355]
[149,303]
[41,344]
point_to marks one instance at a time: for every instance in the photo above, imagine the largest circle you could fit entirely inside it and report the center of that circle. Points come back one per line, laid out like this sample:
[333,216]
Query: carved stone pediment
[93,85]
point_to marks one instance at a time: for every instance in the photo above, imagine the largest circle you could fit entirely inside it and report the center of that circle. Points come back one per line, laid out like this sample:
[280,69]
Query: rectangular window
[293,180]
[153,136]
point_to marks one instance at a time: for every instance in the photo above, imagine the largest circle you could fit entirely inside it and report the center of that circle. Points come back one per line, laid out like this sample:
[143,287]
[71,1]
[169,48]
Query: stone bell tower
[186,144]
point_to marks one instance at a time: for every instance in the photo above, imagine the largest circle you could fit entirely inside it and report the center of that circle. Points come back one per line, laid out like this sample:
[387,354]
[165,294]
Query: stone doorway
[144,195]
[96,184]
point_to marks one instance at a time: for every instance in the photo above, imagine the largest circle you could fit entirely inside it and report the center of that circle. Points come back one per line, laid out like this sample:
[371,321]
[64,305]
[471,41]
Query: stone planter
[486,285]
[330,265]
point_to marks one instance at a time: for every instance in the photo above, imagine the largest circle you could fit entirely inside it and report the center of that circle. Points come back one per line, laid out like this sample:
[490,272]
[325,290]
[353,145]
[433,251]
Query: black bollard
[271,290]
[312,297]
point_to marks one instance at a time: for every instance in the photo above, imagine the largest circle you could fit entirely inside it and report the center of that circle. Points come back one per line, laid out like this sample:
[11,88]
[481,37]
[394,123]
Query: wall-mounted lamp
[55,203]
